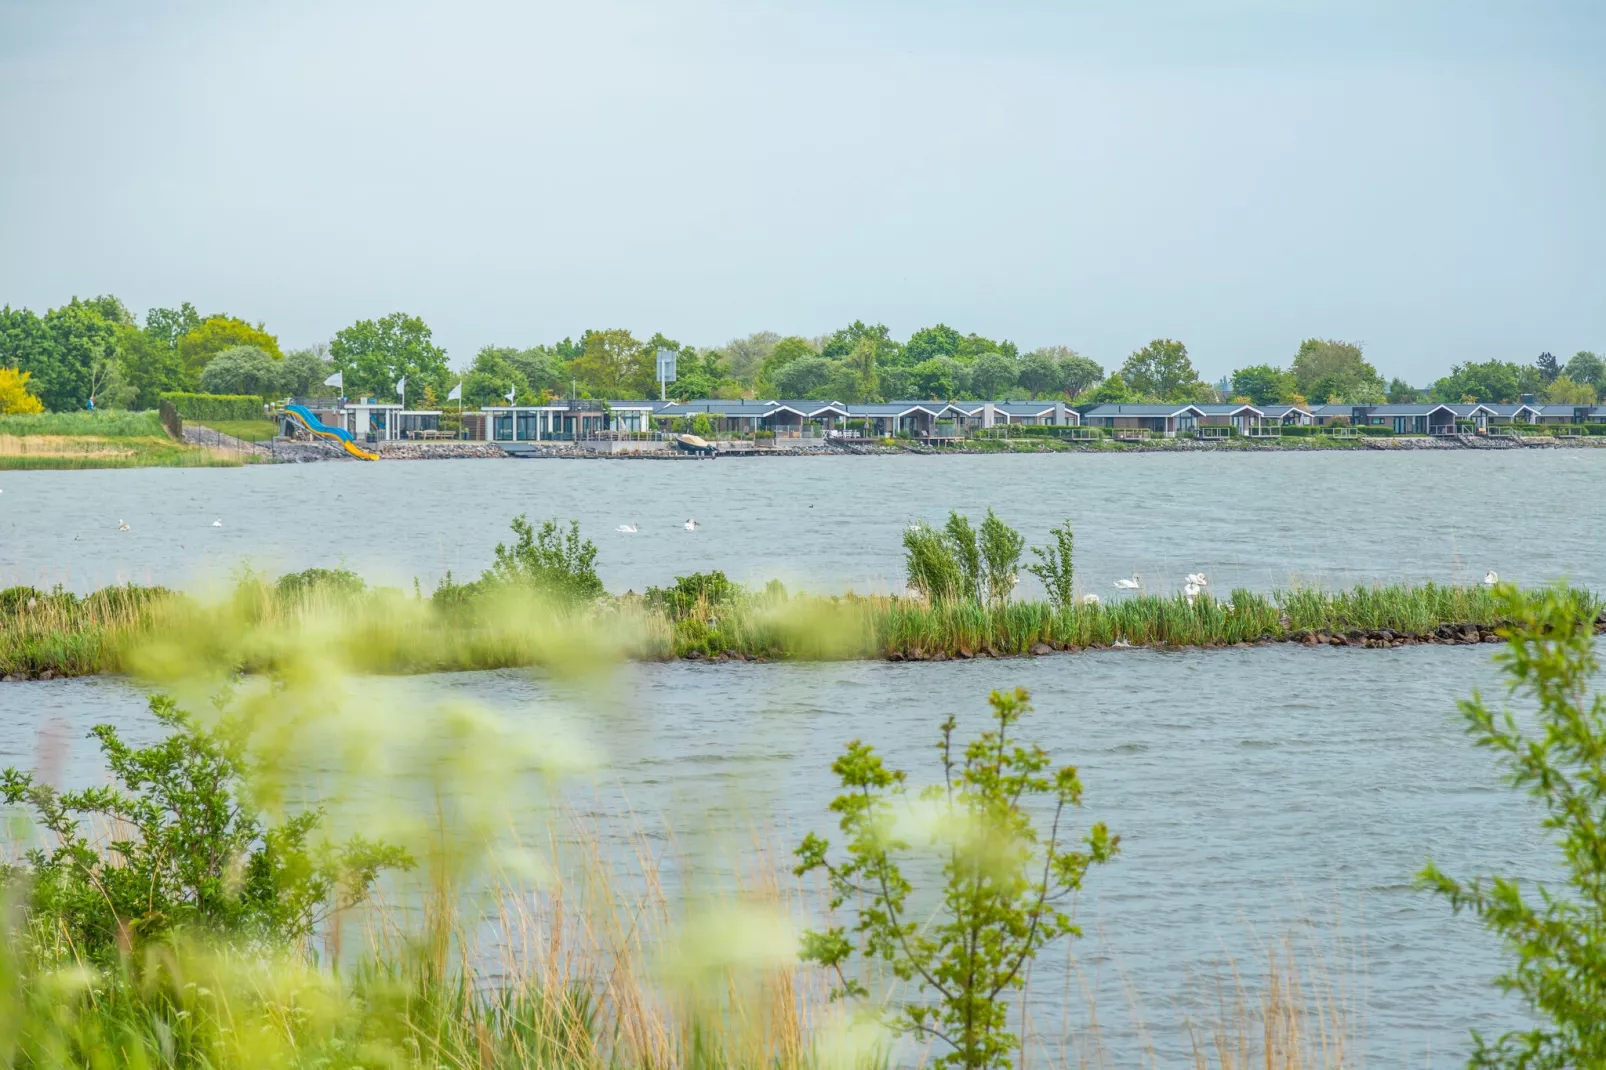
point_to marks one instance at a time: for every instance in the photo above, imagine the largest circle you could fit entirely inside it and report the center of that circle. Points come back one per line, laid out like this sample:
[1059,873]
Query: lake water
[831,522]
[1255,790]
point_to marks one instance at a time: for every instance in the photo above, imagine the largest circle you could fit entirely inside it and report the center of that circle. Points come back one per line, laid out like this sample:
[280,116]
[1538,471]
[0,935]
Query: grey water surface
[1257,791]
[829,523]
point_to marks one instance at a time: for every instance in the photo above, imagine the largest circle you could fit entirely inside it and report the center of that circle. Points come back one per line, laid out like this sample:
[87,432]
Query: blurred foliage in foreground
[299,873]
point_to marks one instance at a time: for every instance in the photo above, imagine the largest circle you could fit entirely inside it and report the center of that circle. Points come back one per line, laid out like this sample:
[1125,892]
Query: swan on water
[626,529]
[1196,578]
[1191,591]
[122,525]
[1128,585]
[1491,578]
[217,523]
[691,525]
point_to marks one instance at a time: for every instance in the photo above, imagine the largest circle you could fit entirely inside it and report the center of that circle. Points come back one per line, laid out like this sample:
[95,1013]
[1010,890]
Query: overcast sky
[1427,178]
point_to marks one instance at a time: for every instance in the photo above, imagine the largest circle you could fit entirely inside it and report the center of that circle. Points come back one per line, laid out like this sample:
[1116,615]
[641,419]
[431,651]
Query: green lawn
[245,430]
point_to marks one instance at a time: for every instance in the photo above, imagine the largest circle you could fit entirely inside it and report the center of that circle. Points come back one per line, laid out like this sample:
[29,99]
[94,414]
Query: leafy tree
[1055,569]
[1563,391]
[491,376]
[1004,878]
[865,383]
[784,352]
[192,851]
[1041,374]
[1262,384]
[1548,367]
[76,339]
[930,343]
[556,564]
[1330,369]
[1113,391]
[215,334]
[243,370]
[150,365]
[804,377]
[1555,933]
[303,371]
[939,378]
[992,373]
[744,357]
[1076,372]
[1586,367]
[843,344]
[1489,381]
[168,325]
[109,387]
[973,346]
[374,355]
[703,377]
[15,398]
[1401,392]
[614,364]
[1160,369]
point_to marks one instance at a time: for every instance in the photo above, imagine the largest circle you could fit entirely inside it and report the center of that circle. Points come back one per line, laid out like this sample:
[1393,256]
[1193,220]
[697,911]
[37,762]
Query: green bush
[1371,431]
[1302,430]
[554,563]
[1007,870]
[689,592]
[296,586]
[192,852]
[1553,931]
[215,406]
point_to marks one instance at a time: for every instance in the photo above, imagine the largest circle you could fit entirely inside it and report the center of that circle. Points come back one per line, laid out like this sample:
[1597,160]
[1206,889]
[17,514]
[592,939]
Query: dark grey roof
[1229,409]
[1139,410]
[892,408]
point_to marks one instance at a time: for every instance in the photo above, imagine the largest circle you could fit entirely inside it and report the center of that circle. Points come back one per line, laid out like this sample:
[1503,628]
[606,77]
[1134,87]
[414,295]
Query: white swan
[1196,578]
[217,523]
[691,525]
[1491,578]
[1191,591]
[1090,599]
[626,529]
[1128,585]
[122,525]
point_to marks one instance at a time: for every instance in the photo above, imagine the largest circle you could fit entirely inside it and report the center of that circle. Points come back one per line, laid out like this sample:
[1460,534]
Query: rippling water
[1255,790]
[830,522]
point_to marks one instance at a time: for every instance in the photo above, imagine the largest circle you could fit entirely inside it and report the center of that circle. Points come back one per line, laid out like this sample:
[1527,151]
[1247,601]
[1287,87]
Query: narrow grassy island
[542,604]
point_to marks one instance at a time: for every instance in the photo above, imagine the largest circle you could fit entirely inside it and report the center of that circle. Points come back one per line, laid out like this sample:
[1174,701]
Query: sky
[1426,178]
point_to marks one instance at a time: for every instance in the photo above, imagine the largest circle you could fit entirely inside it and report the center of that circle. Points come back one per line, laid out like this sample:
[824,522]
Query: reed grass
[388,632]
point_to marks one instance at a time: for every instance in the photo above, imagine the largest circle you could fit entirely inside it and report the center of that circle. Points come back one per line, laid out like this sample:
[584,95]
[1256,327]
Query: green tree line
[96,351]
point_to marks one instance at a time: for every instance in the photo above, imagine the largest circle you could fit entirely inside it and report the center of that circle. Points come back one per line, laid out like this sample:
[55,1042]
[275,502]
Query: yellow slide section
[357,451]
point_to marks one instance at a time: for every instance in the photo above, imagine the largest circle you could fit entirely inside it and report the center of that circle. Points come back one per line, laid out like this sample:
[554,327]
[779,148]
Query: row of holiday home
[580,419]
[564,420]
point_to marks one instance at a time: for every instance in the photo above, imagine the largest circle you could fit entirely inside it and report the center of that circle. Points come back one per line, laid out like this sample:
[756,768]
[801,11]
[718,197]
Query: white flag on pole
[512,393]
[456,393]
[337,380]
[401,386]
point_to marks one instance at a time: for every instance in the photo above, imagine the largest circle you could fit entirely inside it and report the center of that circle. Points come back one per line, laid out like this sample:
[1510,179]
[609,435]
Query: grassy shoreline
[93,440]
[44,635]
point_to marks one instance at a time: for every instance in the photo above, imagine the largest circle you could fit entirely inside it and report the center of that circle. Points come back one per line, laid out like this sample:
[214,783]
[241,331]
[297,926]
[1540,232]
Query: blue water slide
[317,426]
